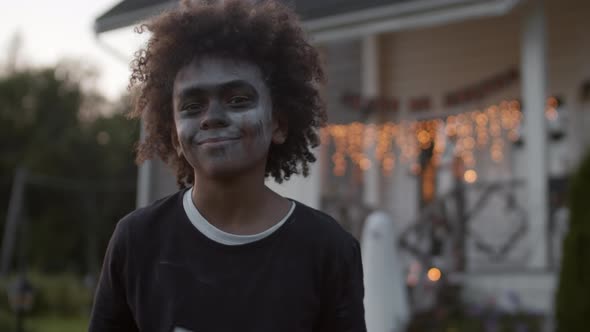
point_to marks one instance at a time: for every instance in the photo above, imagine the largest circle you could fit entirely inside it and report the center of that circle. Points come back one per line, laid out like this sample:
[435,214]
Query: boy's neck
[241,205]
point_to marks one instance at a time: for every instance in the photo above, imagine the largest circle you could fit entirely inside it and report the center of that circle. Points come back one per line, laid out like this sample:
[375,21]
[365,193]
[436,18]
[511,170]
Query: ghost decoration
[386,300]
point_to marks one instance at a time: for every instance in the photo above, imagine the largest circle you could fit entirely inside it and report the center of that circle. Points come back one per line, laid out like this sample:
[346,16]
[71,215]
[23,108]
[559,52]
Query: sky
[53,30]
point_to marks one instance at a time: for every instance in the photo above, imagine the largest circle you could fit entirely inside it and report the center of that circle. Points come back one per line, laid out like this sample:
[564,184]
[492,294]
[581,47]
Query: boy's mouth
[217,140]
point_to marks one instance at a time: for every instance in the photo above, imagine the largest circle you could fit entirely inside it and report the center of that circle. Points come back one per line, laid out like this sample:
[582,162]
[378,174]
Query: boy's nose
[215,117]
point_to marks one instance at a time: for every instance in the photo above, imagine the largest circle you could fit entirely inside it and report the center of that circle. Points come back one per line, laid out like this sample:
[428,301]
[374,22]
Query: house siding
[434,61]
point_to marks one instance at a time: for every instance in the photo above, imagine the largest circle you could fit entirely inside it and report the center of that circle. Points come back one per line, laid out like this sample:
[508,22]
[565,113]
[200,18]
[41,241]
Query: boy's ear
[280,131]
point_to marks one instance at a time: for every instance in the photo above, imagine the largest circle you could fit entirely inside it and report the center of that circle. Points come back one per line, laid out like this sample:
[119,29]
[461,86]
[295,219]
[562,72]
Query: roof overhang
[380,17]
[120,17]
[403,16]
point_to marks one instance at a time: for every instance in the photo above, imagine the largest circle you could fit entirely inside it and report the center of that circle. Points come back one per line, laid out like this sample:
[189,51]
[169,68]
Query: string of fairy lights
[383,145]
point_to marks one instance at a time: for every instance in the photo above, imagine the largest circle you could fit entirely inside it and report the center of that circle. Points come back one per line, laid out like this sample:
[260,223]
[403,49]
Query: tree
[78,148]
[573,294]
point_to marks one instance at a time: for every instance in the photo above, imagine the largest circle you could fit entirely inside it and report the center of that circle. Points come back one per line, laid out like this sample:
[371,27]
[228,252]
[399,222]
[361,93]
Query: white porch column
[370,89]
[144,184]
[534,82]
[154,181]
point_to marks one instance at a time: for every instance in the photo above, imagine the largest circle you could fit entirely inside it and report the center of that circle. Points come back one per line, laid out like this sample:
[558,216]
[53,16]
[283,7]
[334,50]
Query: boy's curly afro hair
[267,34]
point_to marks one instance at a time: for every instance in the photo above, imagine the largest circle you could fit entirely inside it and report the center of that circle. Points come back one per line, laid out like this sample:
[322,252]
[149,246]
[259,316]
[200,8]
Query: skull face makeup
[223,116]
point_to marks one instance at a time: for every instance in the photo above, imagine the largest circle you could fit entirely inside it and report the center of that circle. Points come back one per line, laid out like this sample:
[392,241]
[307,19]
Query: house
[460,118]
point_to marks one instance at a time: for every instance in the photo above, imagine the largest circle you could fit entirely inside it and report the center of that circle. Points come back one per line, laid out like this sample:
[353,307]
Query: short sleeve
[343,308]
[111,311]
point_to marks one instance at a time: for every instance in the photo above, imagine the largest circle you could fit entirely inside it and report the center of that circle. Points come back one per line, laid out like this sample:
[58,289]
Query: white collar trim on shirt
[217,234]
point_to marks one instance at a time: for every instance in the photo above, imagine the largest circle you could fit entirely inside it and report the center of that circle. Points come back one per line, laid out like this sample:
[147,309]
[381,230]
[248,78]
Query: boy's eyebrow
[200,88]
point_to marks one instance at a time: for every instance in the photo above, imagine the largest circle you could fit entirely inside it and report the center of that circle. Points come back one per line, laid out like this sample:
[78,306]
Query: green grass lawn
[56,324]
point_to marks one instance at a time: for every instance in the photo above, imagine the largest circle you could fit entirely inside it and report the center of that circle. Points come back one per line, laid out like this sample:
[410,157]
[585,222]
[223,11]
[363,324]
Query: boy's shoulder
[154,214]
[320,226]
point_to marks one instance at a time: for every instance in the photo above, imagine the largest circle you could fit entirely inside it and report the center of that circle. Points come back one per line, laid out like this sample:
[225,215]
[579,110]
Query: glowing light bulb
[434,274]
[365,164]
[470,176]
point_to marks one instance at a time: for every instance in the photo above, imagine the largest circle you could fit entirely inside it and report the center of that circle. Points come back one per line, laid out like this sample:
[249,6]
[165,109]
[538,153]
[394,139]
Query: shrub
[7,320]
[61,295]
[572,307]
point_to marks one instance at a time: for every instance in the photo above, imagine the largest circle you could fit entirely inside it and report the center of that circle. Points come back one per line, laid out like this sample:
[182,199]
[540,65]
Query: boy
[229,95]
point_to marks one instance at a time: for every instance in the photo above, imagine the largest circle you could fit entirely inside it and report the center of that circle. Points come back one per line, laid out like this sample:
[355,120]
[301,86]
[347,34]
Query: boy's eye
[239,100]
[193,107]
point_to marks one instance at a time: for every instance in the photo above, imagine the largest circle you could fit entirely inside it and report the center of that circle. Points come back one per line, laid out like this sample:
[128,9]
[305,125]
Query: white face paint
[223,116]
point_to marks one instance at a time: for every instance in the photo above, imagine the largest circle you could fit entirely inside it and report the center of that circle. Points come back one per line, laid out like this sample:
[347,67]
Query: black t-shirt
[160,273]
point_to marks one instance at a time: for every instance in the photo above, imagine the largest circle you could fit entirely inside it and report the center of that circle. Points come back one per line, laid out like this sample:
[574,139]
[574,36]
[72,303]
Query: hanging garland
[385,144]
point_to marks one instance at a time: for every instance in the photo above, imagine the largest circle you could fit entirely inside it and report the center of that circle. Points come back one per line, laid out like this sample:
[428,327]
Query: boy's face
[223,116]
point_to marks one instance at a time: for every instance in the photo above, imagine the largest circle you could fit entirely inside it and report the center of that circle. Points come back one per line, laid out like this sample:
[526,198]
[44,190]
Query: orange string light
[358,143]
